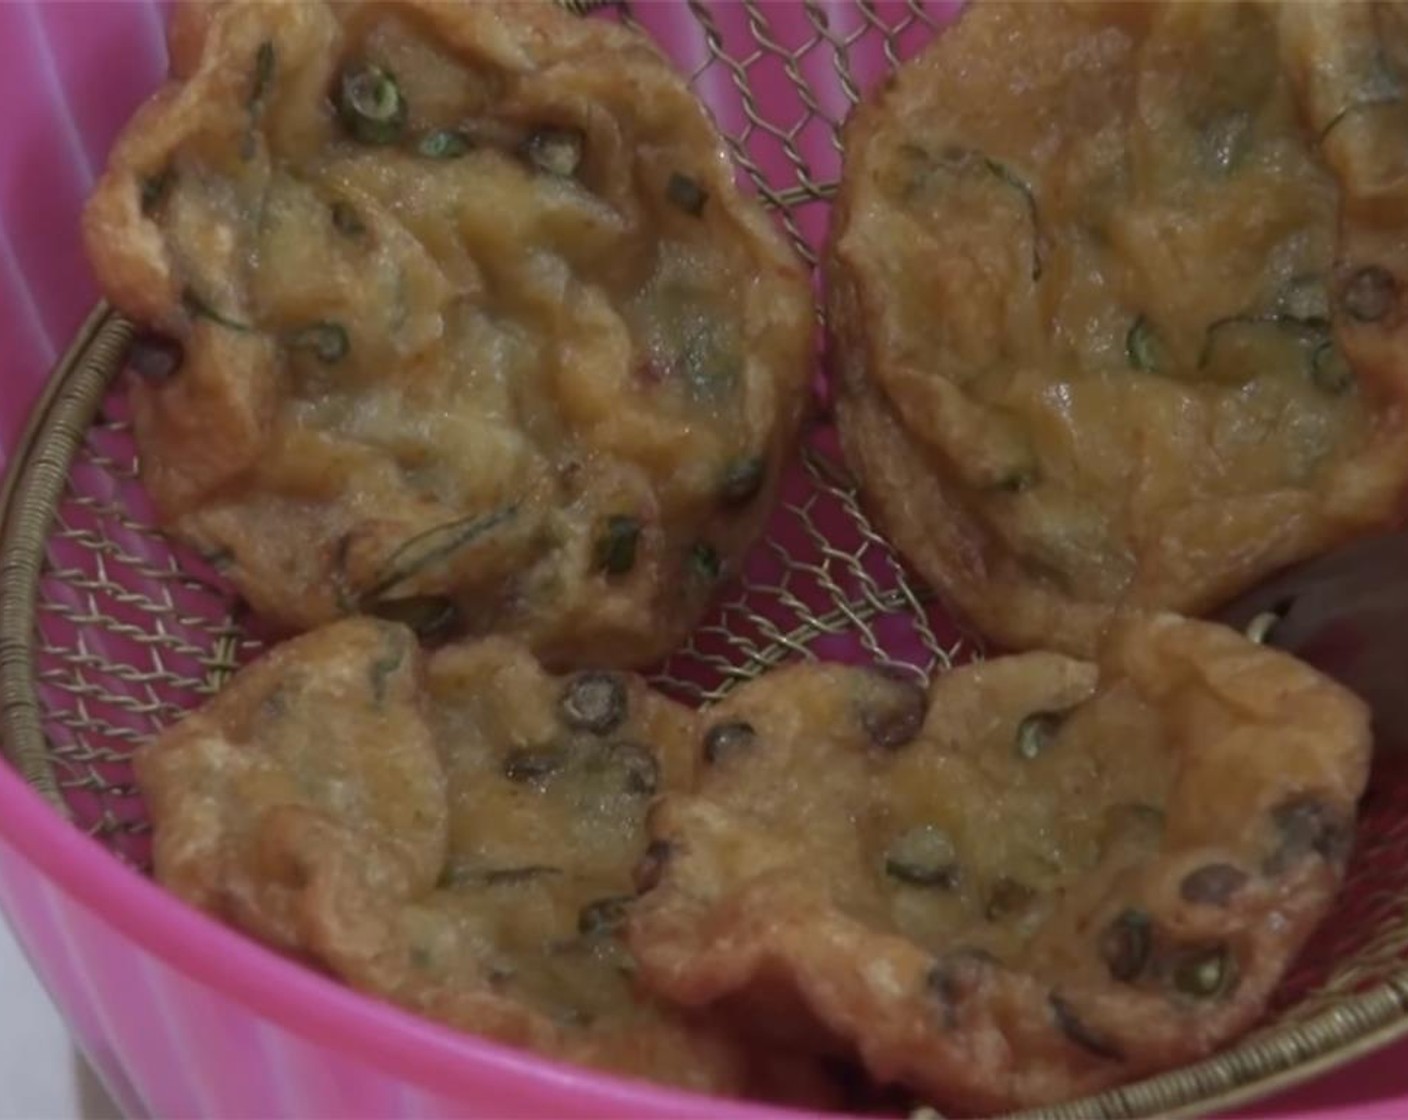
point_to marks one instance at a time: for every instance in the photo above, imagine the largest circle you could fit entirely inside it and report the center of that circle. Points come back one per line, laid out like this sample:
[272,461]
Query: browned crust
[208,436]
[740,910]
[919,502]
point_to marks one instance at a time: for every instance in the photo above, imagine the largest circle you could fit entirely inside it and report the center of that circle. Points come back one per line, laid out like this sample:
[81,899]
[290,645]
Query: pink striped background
[183,1017]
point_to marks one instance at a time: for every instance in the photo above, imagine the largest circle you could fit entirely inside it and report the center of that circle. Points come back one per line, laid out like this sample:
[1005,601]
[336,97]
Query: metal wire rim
[1330,1028]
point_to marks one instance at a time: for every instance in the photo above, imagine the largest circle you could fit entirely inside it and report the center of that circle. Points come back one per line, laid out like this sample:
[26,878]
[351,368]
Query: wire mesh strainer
[108,630]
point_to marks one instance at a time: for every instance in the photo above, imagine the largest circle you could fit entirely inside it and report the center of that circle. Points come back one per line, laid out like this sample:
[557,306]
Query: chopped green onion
[1143,347]
[370,104]
[443,143]
[328,341]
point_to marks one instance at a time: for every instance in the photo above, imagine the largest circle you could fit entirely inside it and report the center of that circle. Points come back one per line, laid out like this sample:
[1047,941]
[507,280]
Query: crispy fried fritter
[457,318]
[1063,876]
[458,838]
[1116,300]
[323,739]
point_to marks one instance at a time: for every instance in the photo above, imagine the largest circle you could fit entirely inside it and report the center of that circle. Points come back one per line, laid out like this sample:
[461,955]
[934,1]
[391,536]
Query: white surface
[41,1075]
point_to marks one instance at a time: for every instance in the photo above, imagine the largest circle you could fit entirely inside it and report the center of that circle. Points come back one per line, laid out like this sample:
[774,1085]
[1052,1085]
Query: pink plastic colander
[108,633]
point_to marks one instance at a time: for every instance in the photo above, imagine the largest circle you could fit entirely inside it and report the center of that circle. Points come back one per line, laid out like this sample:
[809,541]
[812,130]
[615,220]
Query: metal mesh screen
[131,630]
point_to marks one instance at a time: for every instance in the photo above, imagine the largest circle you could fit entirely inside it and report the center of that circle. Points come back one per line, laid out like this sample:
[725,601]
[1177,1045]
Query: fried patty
[1043,878]
[1115,293]
[455,834]
[452,314]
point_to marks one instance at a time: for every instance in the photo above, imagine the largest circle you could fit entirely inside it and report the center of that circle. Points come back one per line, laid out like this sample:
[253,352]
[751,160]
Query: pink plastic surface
[181,1016]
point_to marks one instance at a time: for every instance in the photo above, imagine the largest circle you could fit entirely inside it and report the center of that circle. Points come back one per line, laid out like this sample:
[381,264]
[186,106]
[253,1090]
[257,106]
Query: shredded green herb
[197,306]
[263,76]
[434,546]
[959,160]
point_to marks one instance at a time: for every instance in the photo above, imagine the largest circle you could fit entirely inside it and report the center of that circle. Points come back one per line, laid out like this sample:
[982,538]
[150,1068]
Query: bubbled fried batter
[1115,293]
[457,836]
[1065,875]
[248,803]
[454,316]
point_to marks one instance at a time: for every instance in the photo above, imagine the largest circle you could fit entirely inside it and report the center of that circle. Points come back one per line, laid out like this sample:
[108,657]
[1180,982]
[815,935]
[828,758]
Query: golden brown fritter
[458,837]
[1046,877]
[1116,300]
[456,318]
[319,753]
